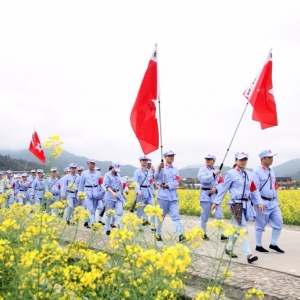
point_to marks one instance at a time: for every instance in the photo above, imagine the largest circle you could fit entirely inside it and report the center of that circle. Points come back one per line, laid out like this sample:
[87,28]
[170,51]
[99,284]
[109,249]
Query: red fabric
[177,178]
[14,185]
[220,179]
[143,115]
[124,185]
[100,180]
[252,187]
[151,180]
[59,187]
[260,95]
[276,186]
[36,149]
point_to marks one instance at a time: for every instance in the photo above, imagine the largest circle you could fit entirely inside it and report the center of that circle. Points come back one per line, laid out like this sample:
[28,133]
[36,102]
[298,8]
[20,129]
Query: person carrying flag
[241,187]
[167,197]
[211,181]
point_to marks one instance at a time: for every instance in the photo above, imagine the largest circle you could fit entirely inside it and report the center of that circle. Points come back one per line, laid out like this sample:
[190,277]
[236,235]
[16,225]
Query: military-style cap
[210,156]
[53,169]
[149,161]
[116,166]
[8,172]
[80,168]
[66,169]
[170,152]
[143,158]
[24,174]
[91,161]
[1,173]
[97,169]
[40,171]
[72,165]
[18,176]
[266,153]
[241,155]
[33,171]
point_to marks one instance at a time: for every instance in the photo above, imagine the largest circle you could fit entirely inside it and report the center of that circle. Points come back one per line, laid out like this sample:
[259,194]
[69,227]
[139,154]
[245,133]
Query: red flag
[36,149]
[220,179]
[260,95]
[143,115]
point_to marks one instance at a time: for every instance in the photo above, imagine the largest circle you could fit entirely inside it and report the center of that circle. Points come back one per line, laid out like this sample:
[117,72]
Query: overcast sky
[73,68]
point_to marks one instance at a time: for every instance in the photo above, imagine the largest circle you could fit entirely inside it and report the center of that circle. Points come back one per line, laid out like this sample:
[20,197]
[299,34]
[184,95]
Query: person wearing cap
[80,169]
[239,183]
[144,195]
[9,183]
[69,189]
[265,181]
[113,196]
[38,188]
[30,180]
[22,190]
[168,179]
[211,181]
[1,183]
[89,183]
[52,185]
[149,167]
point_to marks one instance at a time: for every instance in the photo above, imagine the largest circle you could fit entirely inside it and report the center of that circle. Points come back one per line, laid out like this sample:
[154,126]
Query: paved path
[277,275]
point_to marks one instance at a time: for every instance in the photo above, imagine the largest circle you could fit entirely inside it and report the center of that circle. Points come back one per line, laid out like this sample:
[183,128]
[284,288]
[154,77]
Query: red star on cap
[242,153]
[270,151]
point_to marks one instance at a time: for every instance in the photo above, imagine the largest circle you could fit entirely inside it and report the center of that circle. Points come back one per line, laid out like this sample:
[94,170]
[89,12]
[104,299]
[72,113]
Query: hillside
[63,161]
[288,168]
[8,163]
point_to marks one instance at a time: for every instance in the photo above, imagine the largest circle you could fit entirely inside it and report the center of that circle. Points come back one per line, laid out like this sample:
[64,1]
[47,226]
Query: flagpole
[221,166]
[160,131]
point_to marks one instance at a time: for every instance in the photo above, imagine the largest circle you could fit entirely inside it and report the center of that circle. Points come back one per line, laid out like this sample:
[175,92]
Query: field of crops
[189,204]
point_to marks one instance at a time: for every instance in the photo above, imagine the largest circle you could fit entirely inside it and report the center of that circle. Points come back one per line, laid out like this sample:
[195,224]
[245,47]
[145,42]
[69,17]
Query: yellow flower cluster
[131,222]
[80,214]
[254,293]
[195,236]
[48,196]
[120,237]
[81,196]
[154,211]
[54,143]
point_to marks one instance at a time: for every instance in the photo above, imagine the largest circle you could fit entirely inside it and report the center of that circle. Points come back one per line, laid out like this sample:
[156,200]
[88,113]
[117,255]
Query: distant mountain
[64,160]
[288,168]
[13,164]
[193,172]
[192,166]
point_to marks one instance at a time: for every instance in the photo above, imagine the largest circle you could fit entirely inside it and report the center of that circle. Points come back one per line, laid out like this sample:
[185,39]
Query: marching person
[89,182]
[1,183]
[211,181]
[9,183]
[30,180]
[38,188]
[113,197]
[80,169]
[144,195]
[69,189]
[240,185]
[265,181]
[168,179]
[22,186]
[52,185]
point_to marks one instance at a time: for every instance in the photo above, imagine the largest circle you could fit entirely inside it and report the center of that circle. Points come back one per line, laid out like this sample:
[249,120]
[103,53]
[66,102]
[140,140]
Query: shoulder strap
[265,181]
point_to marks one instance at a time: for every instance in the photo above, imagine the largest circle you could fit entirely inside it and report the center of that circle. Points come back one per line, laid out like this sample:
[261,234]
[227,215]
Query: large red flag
[260,95]
[36,149]
[143,115]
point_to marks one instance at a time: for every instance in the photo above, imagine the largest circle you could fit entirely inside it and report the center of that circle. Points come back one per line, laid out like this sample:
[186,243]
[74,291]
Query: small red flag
[220,179]
[260,95]
[276,186]
[36,149]
[143,115]
[252,187]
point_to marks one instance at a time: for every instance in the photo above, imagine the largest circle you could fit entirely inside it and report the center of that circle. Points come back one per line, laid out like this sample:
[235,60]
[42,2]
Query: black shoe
[261,249]
[68,223]
[153,229]
[145,222]
[159,238]
[182,238]
[224,238]
[108,232]
[230,253]
[86,224]
[276,248]
[251,259]
[112,225]
[205,238]
[141,230]
[101,223]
